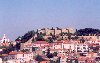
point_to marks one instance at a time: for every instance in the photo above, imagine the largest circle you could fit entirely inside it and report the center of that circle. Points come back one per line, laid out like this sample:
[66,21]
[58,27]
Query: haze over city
[19,16]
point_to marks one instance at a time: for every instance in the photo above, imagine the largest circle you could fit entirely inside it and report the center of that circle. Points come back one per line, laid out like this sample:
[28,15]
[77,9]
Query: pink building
[40,43]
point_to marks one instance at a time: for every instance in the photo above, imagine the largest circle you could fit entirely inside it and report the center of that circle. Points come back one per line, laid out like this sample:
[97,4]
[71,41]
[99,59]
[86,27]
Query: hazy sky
[19,16]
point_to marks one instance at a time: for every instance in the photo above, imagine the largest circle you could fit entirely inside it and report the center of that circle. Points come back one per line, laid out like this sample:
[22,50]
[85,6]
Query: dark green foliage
[54,37]
[50,39]
[39,37]
[51,61]
[82,40]
[17,46]
[96,49]
[97,58]
[58,60]
[27,36]
[18,39]
[55,54]
[80,32]
[49,55]
[34,48]
[69,35]
[1,47]
[39,58]
[25,50]
[6,50]
[87,31]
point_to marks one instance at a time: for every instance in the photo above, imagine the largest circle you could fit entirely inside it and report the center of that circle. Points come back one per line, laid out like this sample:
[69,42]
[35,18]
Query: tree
[82,40]
[11,47]
[27,36]
[51,61]
[33,39]
[69,34]
[17,46]
[49,55]
[55,54]
[87,32]
[50,39]
[54,37]
[18,38]
[39,37]
[39,58]
[8,49]
[25,50]
[58,60]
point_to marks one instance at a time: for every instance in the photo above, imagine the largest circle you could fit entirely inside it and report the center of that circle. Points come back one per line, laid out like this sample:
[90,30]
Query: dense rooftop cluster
[53,46]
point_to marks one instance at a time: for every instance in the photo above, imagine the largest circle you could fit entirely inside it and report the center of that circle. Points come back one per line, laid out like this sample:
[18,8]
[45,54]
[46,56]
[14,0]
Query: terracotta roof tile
[13,52]
[20,53]
[81,58]
[29,45]
[44,61]
[4,54]
[41,42]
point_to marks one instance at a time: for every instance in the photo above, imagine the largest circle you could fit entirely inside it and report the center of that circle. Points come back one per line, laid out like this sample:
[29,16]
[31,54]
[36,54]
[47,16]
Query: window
[73,61]
[23,55]
[78,47]
[84,47]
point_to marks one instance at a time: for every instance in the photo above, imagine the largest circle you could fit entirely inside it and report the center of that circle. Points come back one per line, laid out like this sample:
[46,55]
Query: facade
[81,48]
[56,31]
[40,44]
[0,60]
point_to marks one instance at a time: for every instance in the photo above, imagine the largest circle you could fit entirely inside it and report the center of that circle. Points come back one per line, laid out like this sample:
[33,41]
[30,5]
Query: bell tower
[4,39]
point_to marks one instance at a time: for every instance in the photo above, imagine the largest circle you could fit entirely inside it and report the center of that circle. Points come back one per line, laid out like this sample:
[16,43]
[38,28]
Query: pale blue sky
[19,16]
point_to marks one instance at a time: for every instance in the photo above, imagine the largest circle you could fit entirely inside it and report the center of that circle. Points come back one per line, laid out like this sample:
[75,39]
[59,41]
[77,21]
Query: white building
[0,60]
[63,45]
[81,48]
[24,57]
[4,39]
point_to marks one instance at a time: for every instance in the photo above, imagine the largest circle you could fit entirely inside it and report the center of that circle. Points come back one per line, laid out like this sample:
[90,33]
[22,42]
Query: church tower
[4,39]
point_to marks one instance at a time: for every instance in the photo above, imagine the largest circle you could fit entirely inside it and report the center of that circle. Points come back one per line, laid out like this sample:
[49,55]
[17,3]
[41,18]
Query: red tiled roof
[41,42]
[44,61]
[63,57]
[27,52]
[13,52]
[58,49]
[60,55]
[98,40]
[4,54]
[81,58]
[44,46]
[20,53]
[58,42]
[29,45]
